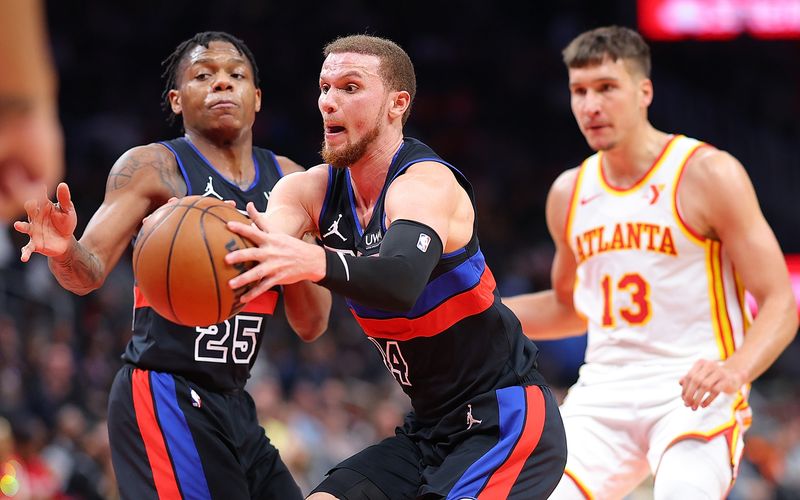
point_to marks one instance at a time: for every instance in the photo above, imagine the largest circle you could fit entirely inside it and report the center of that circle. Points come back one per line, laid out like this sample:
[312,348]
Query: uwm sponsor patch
[625,236]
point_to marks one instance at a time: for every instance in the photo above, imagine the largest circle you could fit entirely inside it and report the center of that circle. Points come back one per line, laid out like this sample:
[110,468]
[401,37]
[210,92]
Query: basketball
[178,261]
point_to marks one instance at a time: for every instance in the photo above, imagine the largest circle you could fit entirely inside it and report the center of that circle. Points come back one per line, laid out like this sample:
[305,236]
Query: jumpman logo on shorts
[210,189]
[334,229]
[470,420]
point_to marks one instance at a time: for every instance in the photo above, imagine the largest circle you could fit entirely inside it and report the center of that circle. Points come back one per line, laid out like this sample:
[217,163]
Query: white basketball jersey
[653,291]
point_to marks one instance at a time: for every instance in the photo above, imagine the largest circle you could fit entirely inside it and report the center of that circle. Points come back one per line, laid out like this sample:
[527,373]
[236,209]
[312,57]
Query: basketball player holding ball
[180,423]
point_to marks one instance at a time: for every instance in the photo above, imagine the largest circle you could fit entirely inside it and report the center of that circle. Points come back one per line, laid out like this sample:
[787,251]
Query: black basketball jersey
[217,356]
[458,340]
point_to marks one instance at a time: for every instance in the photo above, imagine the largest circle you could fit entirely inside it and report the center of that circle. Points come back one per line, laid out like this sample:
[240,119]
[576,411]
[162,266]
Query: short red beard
[350,153]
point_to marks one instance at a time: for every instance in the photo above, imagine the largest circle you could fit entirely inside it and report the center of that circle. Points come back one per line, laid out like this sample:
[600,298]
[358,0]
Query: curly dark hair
[173,61]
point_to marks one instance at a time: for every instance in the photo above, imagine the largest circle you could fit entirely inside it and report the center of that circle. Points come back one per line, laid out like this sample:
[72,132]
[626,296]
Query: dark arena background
[492,99]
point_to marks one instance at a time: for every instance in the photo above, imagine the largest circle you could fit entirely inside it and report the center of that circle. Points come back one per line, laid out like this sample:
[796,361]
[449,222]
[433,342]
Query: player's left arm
[730,213]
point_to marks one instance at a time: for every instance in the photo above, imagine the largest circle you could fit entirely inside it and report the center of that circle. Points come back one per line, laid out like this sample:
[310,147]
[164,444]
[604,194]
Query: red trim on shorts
[154,445]
[502,480]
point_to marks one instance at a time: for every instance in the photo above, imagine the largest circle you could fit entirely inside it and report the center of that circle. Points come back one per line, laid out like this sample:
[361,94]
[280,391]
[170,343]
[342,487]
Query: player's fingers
[253,275]
[64,197]
[257,290]
[707,386]
[27,250]
[248,231]
[689,388]
[22,226]
[709,399]
[255,216]
[244,255]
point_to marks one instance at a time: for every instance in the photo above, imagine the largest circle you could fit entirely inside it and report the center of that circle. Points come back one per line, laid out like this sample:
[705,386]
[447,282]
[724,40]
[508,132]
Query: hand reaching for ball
[279,259]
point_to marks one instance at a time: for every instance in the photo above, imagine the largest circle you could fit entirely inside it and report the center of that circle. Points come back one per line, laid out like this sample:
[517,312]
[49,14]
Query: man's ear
[400,101]
[258,100]
[646,92]
[174,97]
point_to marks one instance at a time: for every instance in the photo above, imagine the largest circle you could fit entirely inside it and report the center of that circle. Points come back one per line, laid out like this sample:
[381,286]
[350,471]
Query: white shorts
[620,421]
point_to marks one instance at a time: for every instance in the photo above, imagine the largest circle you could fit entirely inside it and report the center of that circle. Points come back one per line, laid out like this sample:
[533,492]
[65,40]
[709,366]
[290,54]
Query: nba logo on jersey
[423,242]
[196,401]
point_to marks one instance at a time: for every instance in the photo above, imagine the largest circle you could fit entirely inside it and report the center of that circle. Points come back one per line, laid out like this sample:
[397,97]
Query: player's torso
[216,356]
[458,340]
[651,289]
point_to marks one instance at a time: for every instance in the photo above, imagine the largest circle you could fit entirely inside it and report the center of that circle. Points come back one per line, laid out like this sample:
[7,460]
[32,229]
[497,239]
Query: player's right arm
[289,211]
[141,180]
[550,314]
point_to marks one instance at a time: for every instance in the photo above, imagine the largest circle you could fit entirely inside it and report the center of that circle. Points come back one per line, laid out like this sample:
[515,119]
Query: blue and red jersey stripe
[463,291]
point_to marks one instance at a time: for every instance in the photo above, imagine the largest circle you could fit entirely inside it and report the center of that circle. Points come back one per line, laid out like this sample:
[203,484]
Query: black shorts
[171,439]
[509,443]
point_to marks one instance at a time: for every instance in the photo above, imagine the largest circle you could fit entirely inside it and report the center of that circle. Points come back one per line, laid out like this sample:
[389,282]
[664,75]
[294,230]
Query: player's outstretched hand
[50,226]
[706,380]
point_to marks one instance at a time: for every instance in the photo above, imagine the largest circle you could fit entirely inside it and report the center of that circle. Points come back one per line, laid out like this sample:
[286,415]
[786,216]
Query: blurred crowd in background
[492,100]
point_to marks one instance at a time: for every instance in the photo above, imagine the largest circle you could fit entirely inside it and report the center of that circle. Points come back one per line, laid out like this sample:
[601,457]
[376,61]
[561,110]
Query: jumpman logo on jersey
[470,420]
[334,229]
[210,188]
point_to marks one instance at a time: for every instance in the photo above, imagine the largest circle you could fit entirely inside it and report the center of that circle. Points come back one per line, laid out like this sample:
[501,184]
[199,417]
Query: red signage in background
[793,263]
[719,19]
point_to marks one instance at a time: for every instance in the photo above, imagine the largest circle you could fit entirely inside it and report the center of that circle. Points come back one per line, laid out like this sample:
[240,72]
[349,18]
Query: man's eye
[202,76]
[324,88]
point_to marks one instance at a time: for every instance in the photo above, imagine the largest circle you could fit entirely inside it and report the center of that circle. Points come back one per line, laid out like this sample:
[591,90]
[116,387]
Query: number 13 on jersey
[638,289]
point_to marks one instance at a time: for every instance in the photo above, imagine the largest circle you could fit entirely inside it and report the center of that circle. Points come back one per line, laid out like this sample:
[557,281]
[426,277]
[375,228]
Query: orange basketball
[178,261]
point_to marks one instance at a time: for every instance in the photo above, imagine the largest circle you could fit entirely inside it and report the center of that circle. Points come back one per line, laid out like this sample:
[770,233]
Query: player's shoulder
[314,176]
[154,154]
[288,166]
[564,184]
[711,166]
[437,171]
[151,167]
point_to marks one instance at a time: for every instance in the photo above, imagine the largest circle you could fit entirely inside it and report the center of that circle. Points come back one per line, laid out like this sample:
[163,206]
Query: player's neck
[368,174]
[626,163]
[232,158]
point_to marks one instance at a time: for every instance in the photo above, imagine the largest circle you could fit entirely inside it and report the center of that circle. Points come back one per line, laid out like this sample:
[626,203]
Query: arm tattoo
[80,272]
[123,172]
